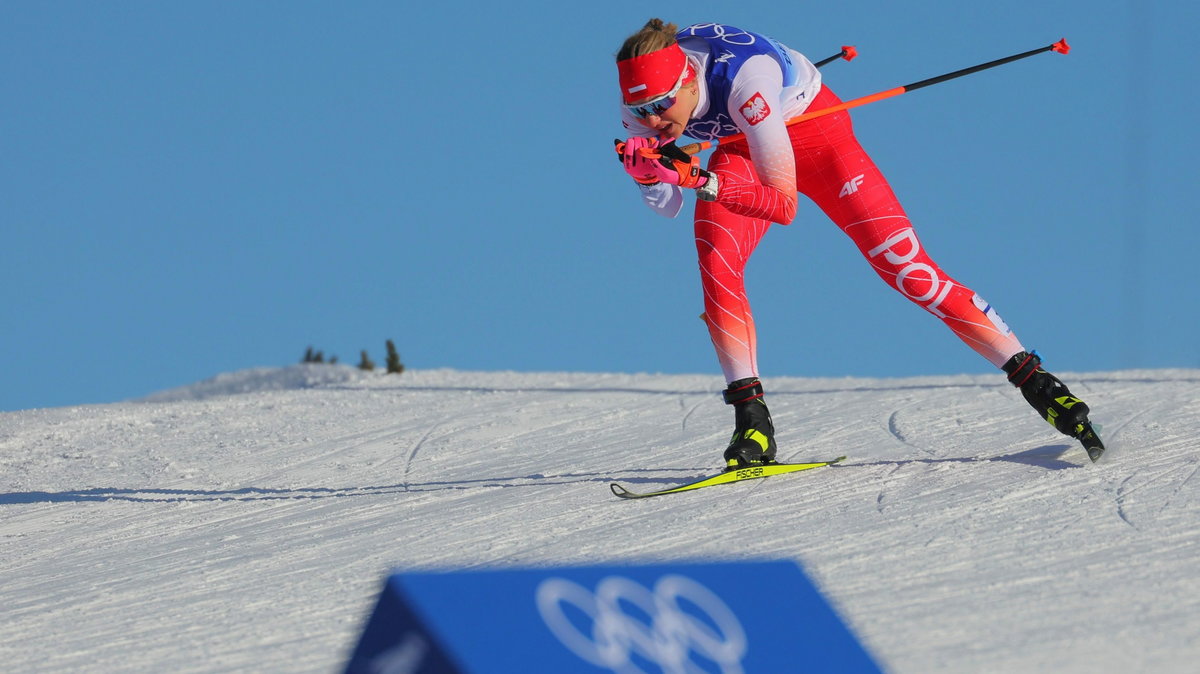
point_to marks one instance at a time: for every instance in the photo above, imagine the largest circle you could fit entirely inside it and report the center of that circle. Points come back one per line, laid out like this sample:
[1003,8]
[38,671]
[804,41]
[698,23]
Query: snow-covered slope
[246,523]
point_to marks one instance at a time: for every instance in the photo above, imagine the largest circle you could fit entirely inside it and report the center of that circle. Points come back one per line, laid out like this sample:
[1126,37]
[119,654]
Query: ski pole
[848,53]
[1061,47]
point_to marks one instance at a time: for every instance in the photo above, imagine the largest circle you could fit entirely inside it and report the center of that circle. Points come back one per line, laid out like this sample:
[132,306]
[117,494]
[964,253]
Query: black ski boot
[753,442]
[1053,401]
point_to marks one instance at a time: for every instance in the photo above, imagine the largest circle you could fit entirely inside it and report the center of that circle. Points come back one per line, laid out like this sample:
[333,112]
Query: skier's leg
[838,175]
[724,242]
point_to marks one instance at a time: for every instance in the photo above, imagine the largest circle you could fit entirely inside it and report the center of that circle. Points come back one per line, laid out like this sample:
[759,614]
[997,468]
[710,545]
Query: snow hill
[246,523]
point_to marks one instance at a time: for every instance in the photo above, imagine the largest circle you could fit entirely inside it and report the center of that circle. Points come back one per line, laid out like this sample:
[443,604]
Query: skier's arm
[664,199]
[754,103]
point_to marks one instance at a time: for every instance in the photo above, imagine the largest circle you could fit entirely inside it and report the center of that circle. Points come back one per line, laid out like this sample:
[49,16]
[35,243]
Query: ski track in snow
[246,523]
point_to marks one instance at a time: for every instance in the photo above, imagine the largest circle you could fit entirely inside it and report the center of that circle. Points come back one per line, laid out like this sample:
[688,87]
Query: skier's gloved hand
[638,165]
[676,167]
[650,162]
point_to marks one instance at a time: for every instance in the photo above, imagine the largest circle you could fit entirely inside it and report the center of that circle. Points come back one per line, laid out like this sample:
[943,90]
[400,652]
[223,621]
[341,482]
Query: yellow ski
[751,473]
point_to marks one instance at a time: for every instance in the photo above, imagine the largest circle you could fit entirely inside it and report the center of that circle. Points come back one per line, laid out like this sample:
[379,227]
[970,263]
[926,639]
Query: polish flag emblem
[756,109]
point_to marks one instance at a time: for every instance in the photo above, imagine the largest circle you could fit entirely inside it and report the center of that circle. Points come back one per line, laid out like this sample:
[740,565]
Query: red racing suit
[751,85]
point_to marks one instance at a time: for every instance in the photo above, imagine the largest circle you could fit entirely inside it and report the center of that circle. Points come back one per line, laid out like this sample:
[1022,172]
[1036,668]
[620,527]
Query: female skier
[712,81]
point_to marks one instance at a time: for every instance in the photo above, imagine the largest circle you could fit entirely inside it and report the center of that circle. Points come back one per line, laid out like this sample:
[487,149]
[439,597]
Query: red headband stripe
[652,74]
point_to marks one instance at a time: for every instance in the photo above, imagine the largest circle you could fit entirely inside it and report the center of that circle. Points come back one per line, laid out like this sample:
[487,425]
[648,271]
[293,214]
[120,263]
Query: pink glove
[672,165]
[641,168]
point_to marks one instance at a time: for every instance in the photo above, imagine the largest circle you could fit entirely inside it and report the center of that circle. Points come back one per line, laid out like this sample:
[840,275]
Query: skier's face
[670,122]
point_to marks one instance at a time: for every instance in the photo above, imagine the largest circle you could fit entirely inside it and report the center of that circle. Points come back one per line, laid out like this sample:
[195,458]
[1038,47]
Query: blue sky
[190,188]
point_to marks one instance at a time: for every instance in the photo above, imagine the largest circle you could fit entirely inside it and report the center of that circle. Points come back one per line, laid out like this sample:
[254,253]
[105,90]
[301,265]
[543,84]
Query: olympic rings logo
[685,618]
[714,128]
[722,32]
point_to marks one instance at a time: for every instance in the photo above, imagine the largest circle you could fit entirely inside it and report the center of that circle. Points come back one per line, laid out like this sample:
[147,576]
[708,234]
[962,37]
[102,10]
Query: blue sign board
[711,617]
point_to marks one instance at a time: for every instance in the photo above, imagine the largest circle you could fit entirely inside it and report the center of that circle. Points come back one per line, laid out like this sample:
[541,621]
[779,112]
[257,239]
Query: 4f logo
[756,109]
[852,185]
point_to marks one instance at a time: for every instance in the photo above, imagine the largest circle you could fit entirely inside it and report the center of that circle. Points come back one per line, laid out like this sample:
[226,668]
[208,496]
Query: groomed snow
[247,522]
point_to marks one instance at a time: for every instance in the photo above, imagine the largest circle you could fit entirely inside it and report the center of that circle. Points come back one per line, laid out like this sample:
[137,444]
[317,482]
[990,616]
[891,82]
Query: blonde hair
[653,36]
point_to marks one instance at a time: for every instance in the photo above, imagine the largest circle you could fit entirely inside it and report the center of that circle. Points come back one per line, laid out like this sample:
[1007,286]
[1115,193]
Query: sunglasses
[659,104]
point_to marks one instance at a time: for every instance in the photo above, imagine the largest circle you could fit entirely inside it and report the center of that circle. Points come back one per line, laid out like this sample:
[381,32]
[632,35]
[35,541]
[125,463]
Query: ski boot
[753,442]
[1053,401]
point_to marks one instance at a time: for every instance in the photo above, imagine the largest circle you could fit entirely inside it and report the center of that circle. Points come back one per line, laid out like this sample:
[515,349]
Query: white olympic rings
[669,640]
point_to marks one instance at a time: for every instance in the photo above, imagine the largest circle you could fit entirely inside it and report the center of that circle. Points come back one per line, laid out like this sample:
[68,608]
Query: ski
[1089,437]
[727,477]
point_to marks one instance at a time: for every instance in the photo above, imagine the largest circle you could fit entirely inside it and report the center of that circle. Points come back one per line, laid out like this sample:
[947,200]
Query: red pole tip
[849,52]
[1061,46]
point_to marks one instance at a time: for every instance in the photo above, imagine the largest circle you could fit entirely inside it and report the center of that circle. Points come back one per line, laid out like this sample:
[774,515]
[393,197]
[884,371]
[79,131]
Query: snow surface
[246,523]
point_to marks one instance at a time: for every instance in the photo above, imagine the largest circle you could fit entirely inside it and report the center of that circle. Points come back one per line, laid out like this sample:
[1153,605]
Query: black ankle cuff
[743,391]
[1021,367]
